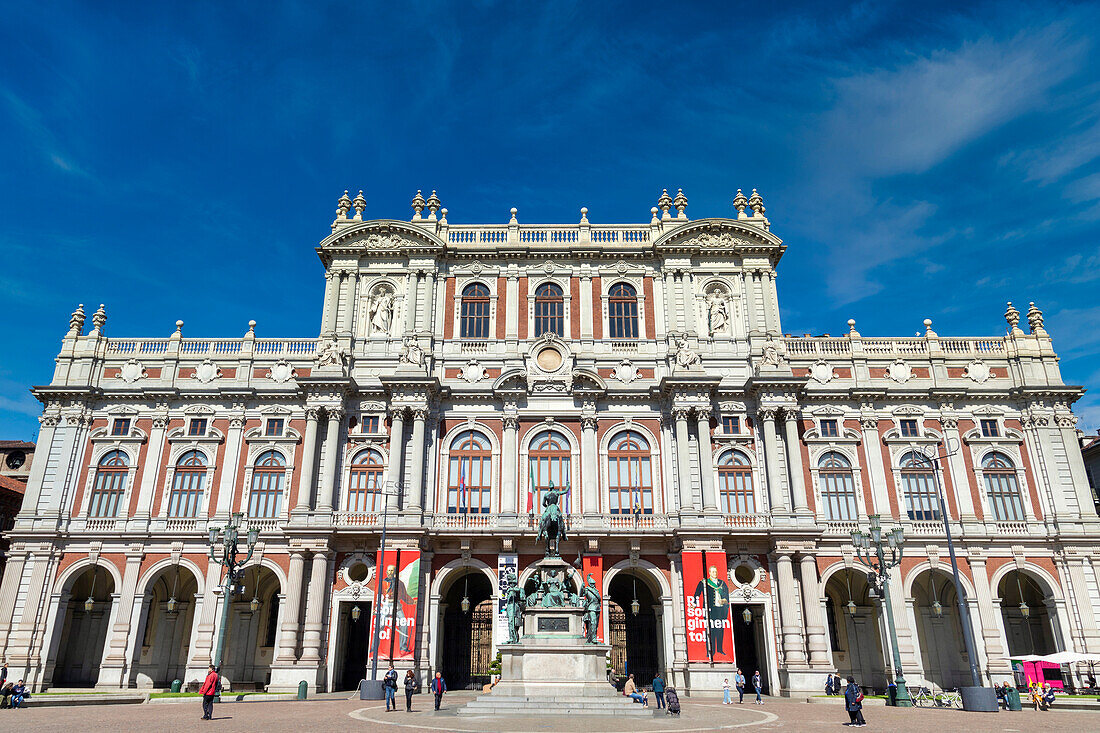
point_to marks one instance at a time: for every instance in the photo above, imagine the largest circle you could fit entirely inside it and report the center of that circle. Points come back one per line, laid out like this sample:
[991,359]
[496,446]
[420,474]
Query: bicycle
[949,698]
[922,697]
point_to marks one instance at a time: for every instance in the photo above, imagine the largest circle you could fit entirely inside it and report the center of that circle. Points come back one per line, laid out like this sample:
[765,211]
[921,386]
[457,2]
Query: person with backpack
[208,690]
[410,688]
[853,703]
[389,684]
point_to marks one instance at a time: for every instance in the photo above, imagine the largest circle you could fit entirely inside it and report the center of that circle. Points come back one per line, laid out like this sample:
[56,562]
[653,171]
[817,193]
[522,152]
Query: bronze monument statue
[552,521]
[514,604]
[593,605]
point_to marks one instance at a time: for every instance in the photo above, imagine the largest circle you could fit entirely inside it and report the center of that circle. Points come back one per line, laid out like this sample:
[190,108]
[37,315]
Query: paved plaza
[358,715]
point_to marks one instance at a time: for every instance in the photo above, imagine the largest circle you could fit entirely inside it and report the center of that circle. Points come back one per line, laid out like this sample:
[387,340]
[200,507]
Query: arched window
[838,489]
[365,487]
[549,464]
[622,312]
[470,475]
[735,483]
[186,495]
[921,501]
[629,478]
[1002,489]
[110,485]
[265,499]
[475,312]
[549,310]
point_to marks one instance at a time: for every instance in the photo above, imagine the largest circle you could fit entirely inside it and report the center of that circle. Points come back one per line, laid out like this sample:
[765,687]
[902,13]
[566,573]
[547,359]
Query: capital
[681,413]
[588,422]
[420,413]
[511,421]
[767,413]
[703,413]
[313,413]
[335,412]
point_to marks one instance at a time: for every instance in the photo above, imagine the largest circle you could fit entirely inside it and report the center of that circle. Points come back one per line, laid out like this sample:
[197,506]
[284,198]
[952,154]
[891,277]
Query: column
[776,496]
[112,672]
[315,608]
[907,647]
[309,461]
[986,628]
[590,464]
[706,460]
[332,295]
[682,298]
[288,631]
[586,306]
[511,309]
[683,457]
[349,303]
[690,309]
[152,467]
[204,620]
[817,638]
[416,469]
[13,573]
[509,472]
[429,301]
[47,427]
[413,295]
[332,457]
[679,626]
[872,446]
[670,300]
[1067,430]
[794,461]
[748,288]
[960,477]
[397,454]
[793,655]
[771,298]
[1075,565]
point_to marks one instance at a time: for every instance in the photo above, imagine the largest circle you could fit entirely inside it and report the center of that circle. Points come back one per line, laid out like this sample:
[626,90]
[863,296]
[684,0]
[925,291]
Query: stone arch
[168,604]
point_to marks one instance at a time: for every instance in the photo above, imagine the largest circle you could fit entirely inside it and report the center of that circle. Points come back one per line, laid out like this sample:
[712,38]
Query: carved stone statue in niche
[685,357]
[330,354]
[718,313]
[381,311]
[411,353]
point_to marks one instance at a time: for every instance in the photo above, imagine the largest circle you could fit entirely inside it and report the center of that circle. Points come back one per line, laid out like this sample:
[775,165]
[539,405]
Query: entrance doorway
[83,630]
[748,641]
[635,641]
[355,634]
[467,635]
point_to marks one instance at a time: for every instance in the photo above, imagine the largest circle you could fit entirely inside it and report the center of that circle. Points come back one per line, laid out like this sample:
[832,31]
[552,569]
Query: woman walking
[758,684]
[208,690]
[739,683]
[853,703]
[410,688]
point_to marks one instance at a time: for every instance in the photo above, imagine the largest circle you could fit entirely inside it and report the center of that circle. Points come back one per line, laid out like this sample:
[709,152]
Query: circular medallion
[548,359]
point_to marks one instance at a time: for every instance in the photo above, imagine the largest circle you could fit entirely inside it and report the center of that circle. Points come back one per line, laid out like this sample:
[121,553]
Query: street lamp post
[379,569]
[227,537]
[872,548]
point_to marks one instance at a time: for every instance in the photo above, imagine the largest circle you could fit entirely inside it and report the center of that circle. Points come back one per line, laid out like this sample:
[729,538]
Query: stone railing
[633,523]
[181,525]
[841,527]
[464,521]
[357,519]
[748,521]
[833,346]
[263,525]
[552,233]
[196,348]
[1013,528]
[101,525]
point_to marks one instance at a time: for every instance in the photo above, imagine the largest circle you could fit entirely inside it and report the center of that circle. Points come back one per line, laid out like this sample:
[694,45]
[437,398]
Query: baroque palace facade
[715,465]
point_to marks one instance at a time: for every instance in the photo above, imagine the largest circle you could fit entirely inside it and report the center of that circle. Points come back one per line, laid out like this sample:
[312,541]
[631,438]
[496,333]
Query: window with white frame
[622,312]
[274,427]
[909,428]
[187,485]
[110,485]
[735,485]
[549,310]
[990,429]
[197,427]
[838,487]
[548,459]
[265,498]
[1002,489]
[120,427]
[829,428]
[731,425]
[918,487]
[365,484]
[474,323]
[470,476]
[629,476]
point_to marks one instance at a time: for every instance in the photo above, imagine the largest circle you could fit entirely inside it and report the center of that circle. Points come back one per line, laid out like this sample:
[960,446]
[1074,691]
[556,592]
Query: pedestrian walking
[829,684]
[438,688]
[758,684]
[739,682]
[853,703]
[659,690]
[410,688]
[208,689]
[4,674]
[389,684]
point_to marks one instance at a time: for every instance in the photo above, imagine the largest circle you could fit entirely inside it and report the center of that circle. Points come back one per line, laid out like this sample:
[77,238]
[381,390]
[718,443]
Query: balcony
[101,525]
[749,521]
[357,519]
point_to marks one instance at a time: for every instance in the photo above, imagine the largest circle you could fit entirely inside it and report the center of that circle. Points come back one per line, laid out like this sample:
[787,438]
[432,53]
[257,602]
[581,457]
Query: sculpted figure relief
[685,357]
[411,353]
[330,354]
[717,312]
[381,311]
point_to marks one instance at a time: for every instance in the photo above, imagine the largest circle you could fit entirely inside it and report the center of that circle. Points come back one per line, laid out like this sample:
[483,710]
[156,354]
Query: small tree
[496,665]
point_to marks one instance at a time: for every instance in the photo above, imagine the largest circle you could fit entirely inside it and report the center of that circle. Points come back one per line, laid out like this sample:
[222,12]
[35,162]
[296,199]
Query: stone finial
[417,205]
[1035,319]
[179,330]
[513,211]
[360,205]
[928,332]
[664,203]
[99,319]
[756,203]
[251,334]
[852,328]
[1012,317]
[680,202]
[654,220]
[739,203]
[433,206]
[76,321]
[584,215]
[343,205]
[443,216]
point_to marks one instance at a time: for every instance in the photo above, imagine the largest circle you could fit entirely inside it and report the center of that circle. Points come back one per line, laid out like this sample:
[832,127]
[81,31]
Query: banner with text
[707,607]
[397,586]
[507,578]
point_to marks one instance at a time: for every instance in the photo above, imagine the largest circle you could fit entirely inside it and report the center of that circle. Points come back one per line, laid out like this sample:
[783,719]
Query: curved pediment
[381,236]
[718,235]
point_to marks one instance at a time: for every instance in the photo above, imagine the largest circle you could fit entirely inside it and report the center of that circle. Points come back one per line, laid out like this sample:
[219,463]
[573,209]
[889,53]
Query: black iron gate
[467,646]
[633,643]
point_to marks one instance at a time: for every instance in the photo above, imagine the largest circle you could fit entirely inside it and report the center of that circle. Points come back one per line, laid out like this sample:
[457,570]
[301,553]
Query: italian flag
[531,489]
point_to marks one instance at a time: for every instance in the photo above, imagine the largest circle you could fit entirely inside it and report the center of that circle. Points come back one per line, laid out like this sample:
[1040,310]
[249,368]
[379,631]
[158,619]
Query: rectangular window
[909,429]
[990,429]
[731,425]
[274,427]
[828,429]
[197,426]
[370,424]
[121,426]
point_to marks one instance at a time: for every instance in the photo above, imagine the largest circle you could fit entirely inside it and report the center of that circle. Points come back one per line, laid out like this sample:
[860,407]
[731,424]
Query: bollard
[176,685]
[302,689]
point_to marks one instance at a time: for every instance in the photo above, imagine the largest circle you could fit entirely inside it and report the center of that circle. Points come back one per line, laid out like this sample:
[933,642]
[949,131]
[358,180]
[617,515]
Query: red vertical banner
[396,593]
[718,608]
[593,565]
[694,612]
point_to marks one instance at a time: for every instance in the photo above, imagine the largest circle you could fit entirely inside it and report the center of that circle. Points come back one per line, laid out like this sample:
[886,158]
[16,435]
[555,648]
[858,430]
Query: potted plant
[495,668]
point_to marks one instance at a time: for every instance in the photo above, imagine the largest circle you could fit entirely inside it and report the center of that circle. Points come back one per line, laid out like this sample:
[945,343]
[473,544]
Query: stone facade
[645,365]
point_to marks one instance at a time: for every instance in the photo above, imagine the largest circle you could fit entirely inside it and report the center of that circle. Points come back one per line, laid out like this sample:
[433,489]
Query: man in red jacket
[208,690]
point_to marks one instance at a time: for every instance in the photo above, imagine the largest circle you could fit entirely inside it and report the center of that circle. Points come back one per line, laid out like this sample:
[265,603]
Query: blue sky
[182,160]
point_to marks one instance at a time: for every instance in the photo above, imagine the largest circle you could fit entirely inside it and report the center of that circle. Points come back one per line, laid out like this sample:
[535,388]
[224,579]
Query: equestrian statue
[552,521]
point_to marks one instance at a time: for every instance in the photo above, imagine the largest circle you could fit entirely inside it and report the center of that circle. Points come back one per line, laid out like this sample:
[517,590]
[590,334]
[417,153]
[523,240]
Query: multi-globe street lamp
[872,548]
[227,538]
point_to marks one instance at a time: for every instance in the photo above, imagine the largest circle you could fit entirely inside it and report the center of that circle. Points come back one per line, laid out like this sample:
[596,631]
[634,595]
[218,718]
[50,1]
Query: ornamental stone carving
[685,357]
[411,353]
[281,371]
[899,371]
[473,372]
[625,372]
[132,371]
[978,371]
[207,372]
[822,371]
[718,312]
[772,354]
[329,354]
[380,310]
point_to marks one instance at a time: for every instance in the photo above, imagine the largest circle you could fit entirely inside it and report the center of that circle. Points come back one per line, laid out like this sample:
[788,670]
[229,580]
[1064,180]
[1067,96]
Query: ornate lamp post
[872,548]
[227,537]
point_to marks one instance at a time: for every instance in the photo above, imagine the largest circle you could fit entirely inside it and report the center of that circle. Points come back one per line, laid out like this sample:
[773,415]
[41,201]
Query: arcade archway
[939,630]
[633,627]
[165,630]
[1028,619]
[88,602]
[466,630]
[855,628]
[253,629]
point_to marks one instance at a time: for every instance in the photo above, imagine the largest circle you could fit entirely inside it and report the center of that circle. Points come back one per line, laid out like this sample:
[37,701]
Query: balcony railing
[357,519]
[1013,528]
[101,525]
[748,521]
[264,525]
[181,525]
